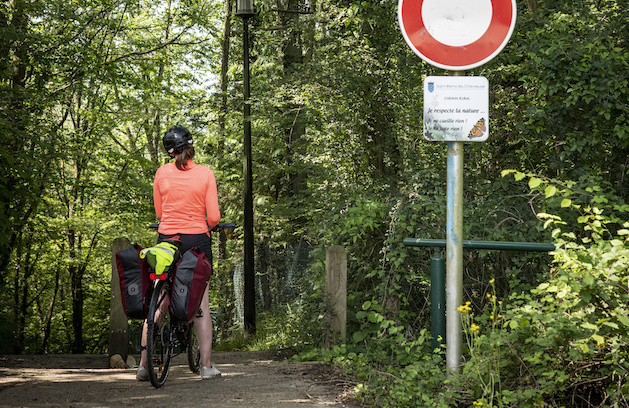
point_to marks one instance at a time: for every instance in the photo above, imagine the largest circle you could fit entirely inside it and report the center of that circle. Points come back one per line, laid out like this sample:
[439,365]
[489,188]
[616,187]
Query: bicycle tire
[159,345]
[194,353]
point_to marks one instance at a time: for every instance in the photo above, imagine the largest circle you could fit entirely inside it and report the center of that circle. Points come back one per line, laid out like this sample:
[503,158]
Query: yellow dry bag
[161,256]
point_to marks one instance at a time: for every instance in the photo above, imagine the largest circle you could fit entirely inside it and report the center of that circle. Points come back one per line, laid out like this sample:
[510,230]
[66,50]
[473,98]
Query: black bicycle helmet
[176,139]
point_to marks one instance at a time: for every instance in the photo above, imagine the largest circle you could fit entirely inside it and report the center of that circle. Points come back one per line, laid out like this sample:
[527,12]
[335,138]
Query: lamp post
[245,10]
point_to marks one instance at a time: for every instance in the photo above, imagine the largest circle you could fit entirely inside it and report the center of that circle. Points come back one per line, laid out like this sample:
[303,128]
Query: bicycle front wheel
[194,354]
[159,345]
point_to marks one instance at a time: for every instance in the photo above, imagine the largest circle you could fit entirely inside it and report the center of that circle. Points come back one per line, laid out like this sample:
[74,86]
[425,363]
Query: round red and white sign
[457,35]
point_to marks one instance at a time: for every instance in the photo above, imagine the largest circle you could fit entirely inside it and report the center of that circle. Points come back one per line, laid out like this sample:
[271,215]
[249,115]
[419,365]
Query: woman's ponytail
[181,159]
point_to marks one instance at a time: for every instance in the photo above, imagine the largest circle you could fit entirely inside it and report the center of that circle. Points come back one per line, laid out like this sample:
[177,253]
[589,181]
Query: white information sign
[456,108]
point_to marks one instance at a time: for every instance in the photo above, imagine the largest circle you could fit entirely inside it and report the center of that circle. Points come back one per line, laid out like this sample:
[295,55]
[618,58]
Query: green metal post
[438,299]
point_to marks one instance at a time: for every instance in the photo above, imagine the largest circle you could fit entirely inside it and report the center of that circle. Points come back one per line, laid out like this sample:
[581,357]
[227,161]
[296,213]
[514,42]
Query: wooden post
[336,293]
[118,323]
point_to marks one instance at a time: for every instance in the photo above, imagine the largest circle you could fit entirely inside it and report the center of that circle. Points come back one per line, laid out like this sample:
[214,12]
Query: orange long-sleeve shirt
[185,201]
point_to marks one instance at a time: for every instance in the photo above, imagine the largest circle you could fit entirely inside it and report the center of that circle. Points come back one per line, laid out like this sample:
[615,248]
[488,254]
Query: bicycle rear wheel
[159,345]
[194,354]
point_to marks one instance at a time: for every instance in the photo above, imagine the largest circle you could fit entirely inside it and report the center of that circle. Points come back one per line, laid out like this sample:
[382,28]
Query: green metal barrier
[438,275]
[497,245]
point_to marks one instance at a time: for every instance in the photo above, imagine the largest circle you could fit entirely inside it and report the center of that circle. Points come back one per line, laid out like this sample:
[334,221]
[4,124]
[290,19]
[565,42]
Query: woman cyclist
[186,202]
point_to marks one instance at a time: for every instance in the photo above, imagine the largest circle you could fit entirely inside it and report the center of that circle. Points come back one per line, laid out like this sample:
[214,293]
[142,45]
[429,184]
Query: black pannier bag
[136,287]
[190,280]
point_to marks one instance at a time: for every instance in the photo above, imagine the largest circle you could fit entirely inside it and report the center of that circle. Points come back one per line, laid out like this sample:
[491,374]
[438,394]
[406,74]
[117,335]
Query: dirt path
[250,379]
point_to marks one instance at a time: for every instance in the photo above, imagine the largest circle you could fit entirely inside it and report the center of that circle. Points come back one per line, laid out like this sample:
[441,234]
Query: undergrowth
[559,342]
[563,342]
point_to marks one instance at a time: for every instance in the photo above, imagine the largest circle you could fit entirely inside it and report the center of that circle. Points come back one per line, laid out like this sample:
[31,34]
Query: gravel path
[250,379]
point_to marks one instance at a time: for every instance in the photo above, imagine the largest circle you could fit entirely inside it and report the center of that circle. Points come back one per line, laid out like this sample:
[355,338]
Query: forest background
[88,88]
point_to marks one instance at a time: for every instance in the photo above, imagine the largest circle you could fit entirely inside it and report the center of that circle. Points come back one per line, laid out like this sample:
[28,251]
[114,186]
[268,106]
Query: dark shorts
[201,241]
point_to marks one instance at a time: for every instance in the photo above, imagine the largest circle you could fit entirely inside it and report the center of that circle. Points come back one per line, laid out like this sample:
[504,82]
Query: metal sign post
[454,256]
[456,110]
[456,35]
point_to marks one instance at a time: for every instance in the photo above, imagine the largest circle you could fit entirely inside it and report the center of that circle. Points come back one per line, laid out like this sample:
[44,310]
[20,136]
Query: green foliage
[391,372]
[288,328]
[563,340]
[561,100]
[80,151]
[567,338]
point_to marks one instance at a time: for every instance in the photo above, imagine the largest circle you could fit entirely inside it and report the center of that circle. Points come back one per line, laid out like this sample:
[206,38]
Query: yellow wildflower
[464,308]
[474,327]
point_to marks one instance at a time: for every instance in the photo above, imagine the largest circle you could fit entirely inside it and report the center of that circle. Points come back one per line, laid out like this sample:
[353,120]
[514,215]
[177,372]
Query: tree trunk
[263,273]
[222,110]
[294,121]
[13,108]
[49,313]
[76,288]
[23,305]
[17,346]
[27,264]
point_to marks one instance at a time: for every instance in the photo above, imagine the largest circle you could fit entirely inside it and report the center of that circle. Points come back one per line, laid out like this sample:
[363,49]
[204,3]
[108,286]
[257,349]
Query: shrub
[566,342]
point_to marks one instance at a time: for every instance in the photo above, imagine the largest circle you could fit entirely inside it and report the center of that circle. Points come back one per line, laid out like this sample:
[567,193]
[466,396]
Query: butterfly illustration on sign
[478,130]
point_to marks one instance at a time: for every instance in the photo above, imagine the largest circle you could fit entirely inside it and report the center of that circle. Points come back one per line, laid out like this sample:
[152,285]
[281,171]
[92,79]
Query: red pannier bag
[190,279]
[136,287]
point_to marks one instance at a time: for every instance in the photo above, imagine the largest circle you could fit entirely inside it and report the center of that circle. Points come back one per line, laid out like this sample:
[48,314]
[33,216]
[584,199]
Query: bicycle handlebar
[218,227]
[224,225]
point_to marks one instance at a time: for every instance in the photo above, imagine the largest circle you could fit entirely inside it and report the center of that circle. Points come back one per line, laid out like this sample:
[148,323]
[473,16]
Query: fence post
[118,323]
[336,293]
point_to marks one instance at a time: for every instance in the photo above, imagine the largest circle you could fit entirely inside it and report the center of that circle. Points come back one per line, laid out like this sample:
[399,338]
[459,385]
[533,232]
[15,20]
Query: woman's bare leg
[204,330]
